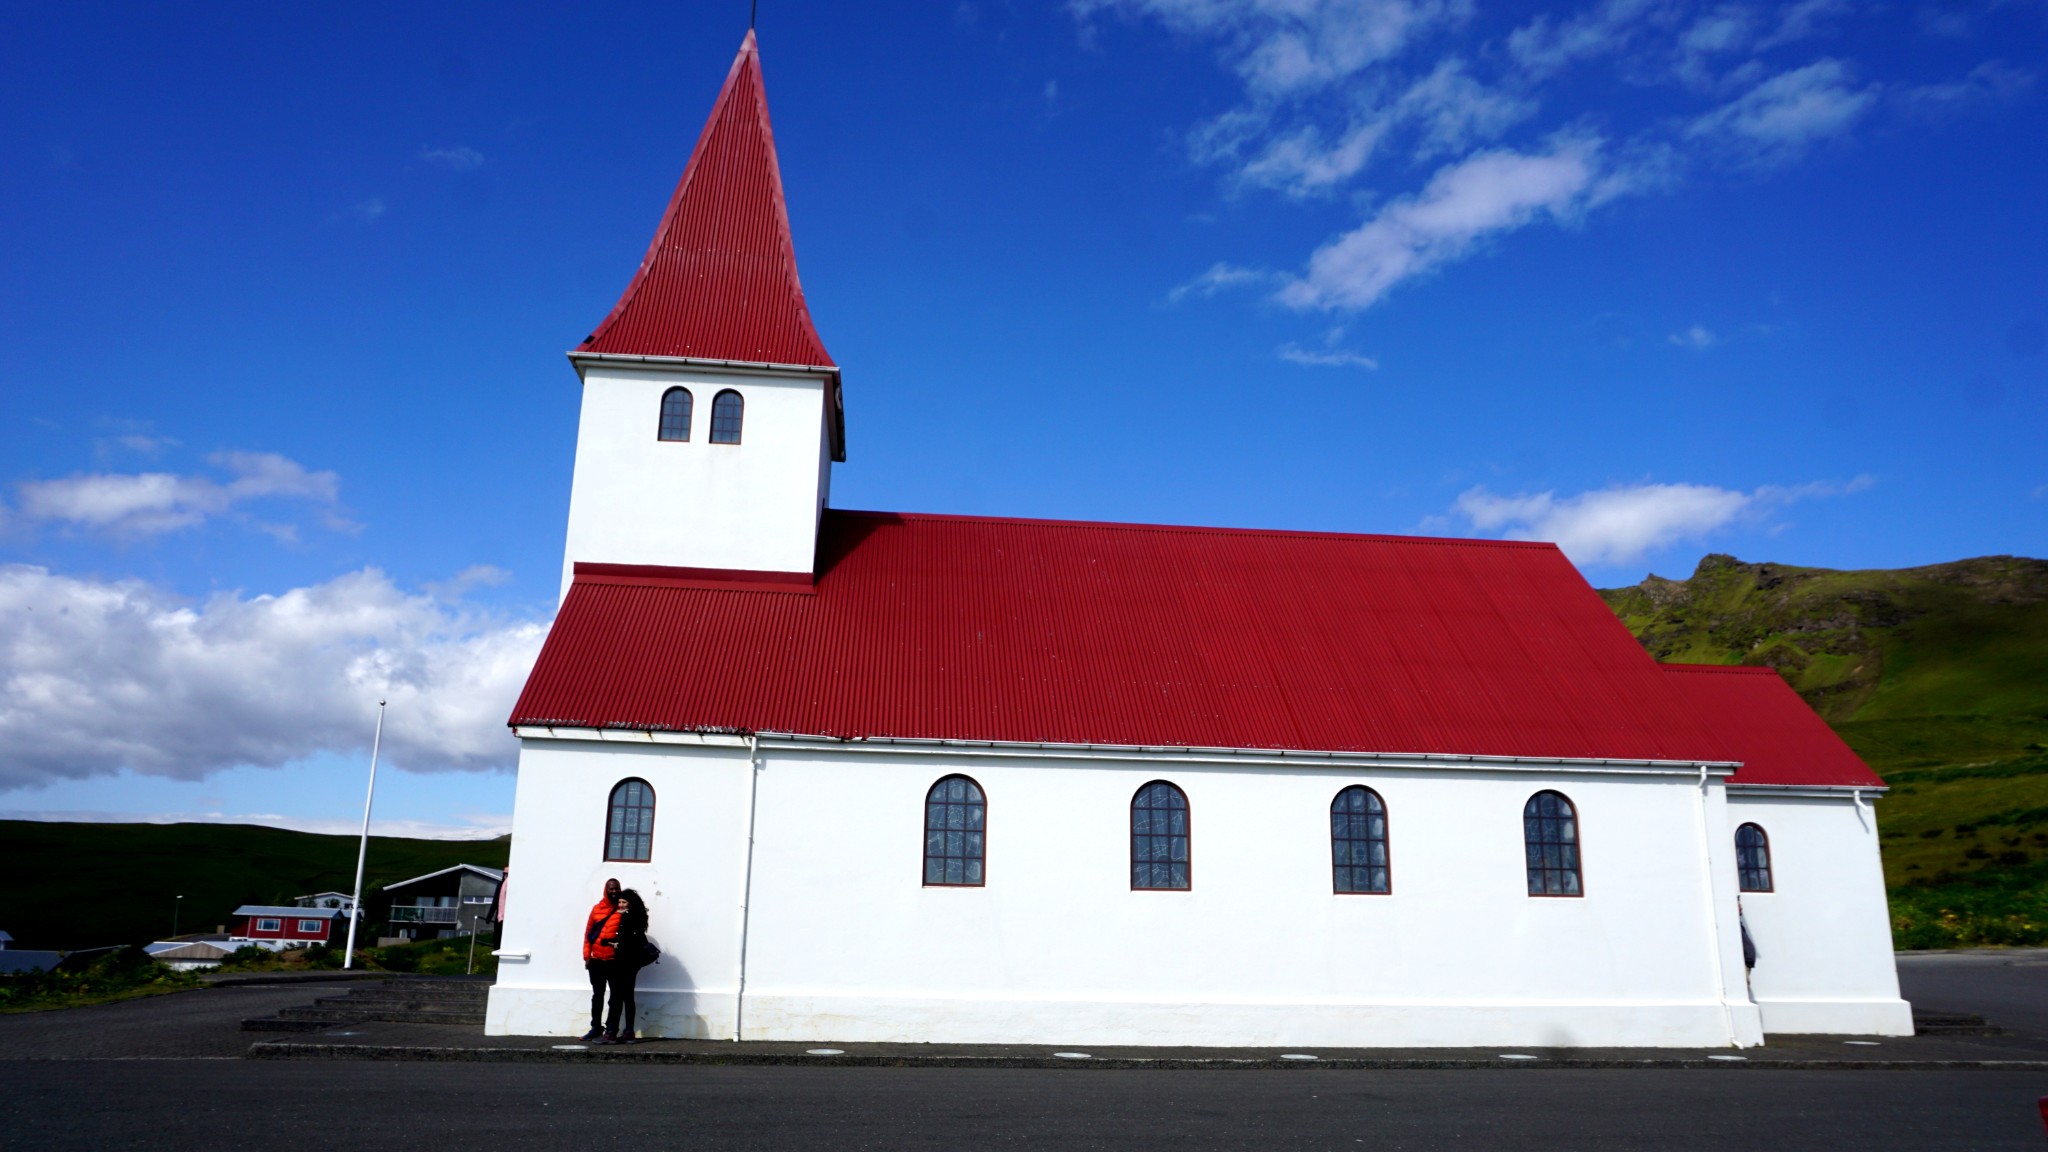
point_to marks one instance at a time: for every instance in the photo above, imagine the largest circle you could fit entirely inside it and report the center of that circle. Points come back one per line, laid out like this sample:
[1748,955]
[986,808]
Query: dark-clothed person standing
[629,955]
[598,953]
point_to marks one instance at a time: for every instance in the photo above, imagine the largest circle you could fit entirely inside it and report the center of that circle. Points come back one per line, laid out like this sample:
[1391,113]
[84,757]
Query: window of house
[727,412]
[269,924]
[1159,838]
[629,823]
[955,825]
[1358,841]
[1550,835]
[1753,859]
[309,927]
[676,404]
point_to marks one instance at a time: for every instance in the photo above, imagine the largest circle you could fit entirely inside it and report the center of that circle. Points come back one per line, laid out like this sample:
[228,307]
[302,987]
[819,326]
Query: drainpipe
[1856,798]
[739,1002]
[1714,912]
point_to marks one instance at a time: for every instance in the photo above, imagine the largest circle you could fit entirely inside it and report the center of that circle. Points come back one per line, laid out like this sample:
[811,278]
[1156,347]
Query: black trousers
[620,976]
[597,970]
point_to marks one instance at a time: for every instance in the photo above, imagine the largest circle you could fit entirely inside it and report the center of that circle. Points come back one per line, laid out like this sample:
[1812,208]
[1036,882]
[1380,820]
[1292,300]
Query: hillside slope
[84,885]
[1937,676]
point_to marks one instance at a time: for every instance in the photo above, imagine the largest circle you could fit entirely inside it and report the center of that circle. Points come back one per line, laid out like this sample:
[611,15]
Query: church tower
[711,410]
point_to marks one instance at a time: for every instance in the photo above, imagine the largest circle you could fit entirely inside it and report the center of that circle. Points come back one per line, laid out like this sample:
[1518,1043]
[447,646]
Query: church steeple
[711,410]
[719,281]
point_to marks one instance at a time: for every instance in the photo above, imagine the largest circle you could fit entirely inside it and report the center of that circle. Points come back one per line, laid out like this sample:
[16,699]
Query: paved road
[504,1108]
[2009,987]
[64,1084]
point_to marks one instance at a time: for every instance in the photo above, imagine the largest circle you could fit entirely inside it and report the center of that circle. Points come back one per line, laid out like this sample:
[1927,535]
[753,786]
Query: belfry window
[1159,838]
[629,822]
[676,404]
[1358,841]
[955,830]
[728,411]
[1550,836]
[1752,859]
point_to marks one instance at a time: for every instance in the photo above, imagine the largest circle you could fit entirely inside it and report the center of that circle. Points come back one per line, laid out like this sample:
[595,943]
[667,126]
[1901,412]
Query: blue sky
[287,293]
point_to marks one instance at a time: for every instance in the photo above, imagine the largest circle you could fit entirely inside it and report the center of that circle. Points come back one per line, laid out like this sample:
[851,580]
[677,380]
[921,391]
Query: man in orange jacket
[600,934]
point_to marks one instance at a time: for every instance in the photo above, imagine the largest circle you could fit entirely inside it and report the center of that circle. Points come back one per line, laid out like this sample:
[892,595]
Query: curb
[286,1050]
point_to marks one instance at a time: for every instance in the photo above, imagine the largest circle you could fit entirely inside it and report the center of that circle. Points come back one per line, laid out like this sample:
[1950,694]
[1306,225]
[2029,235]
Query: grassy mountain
[1937,676]
[84,885]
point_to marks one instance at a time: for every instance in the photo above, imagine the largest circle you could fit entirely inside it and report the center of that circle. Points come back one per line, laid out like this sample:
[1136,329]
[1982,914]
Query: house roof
[187,950]
[964,628]
[287,910]
[488,873]
[719,281]
[1778,738]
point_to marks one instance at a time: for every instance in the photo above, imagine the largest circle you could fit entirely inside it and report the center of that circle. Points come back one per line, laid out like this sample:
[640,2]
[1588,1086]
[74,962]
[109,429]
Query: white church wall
[1823,935]
[558,870]
[636,499]
[846,943]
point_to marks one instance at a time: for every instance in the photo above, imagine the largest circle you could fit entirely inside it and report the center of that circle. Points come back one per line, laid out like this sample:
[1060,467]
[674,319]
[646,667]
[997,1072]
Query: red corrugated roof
[719,282]
[1038,631]
[1769,728]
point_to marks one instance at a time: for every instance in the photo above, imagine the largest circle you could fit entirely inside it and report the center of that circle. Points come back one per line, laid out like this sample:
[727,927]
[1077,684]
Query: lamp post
[355,912]
[177,903]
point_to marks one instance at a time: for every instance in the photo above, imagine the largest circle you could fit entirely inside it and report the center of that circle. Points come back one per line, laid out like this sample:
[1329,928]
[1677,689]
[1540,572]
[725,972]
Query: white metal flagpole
[355,912]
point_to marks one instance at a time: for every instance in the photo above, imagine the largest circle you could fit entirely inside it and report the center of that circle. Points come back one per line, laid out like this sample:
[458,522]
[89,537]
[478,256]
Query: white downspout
[1714,912]
[739,1001]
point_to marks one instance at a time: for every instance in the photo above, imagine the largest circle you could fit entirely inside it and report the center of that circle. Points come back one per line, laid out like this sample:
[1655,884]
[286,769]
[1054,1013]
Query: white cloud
[1455,110]
[1485,193]
[458,158]
[97,676]
[1785,115]
[1300,164]
[1623,524]
[362,211]
[1543,47]
[139,504]
[1990,81]
[1280,47]
[1698,338]
[1330,358]
[1219,278]
[481,826]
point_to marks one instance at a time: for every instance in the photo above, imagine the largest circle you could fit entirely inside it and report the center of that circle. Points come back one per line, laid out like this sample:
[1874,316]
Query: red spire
[719,282]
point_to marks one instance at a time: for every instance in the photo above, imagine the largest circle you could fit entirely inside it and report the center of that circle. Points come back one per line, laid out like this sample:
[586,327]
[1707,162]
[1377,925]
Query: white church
[897,777]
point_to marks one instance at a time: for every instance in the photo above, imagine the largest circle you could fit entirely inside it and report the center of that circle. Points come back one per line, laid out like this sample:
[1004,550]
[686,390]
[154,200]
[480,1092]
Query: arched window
[1753,859]
[1159,837]
[1358,841]
[955,822]
[727,412]
[676,405]
[1550,834]
[629,822]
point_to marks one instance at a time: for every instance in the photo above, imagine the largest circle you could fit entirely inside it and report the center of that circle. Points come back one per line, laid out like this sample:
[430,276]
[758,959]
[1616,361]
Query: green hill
[84,885]
[1937,676]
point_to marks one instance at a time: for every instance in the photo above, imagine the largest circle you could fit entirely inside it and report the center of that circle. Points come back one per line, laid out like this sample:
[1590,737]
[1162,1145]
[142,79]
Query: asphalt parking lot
[169,1073]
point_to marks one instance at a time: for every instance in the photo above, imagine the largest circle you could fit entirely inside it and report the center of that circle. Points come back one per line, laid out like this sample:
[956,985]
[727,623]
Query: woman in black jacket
[630,955]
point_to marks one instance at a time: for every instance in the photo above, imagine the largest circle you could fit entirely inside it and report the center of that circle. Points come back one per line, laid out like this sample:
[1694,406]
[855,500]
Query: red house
[284,927]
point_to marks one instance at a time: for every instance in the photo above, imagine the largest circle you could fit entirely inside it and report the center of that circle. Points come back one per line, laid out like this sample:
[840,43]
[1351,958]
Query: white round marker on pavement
[1727,1057]
[1073,1056]
[1862,1043]
[572,1047]
[824,1051]
[1518,1056]
[1298,1056]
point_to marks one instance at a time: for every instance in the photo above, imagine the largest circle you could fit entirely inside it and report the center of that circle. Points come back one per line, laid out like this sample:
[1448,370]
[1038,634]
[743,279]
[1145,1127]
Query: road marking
[1298,1056]
[1073,1056]
[824,1051]
[1518,1056]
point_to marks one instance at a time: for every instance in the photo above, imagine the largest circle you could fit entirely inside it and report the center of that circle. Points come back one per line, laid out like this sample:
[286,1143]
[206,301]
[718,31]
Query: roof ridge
[1198,529]
[1746,669]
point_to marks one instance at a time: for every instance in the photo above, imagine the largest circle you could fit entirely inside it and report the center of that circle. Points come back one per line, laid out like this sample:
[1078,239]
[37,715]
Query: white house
[933,778]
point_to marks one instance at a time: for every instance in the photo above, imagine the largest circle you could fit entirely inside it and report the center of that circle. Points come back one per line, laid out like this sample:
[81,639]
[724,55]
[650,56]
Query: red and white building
[285,926]
[899,777]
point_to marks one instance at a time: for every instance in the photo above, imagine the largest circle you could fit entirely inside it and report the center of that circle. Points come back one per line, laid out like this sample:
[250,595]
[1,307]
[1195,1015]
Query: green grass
[1938,677]
[123,975]
[87,885]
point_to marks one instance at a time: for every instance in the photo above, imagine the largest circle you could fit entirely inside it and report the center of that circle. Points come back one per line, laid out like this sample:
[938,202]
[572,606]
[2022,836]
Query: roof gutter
[929,746]
[1851,792]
